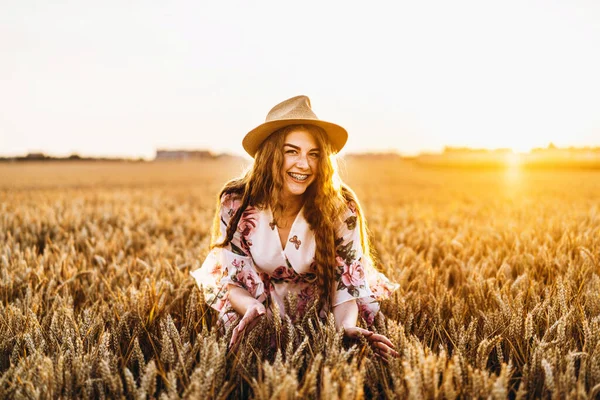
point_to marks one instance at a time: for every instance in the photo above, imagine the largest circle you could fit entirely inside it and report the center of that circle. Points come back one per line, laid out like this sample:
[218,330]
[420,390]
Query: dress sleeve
[232,264]
[356,277]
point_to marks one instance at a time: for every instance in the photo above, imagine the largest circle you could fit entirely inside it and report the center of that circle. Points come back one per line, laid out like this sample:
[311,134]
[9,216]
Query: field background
[499,273]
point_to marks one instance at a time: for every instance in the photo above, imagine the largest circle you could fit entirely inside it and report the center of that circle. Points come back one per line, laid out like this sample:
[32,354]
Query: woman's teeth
[298,177]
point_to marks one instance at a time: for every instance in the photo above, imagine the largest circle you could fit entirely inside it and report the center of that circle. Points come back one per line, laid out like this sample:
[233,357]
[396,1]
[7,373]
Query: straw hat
[291,112]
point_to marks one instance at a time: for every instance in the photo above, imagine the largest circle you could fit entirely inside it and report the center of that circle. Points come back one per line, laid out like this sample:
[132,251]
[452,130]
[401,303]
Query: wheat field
[499,274]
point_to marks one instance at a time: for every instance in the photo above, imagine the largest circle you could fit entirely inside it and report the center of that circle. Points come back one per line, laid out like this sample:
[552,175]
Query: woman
[290,227]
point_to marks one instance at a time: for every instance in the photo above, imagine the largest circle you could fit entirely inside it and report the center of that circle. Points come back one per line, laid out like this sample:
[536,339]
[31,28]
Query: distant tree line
[72,157]
[161,155]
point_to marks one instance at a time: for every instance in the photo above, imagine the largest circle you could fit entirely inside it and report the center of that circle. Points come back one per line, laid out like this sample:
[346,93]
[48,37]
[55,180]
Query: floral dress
[256,261]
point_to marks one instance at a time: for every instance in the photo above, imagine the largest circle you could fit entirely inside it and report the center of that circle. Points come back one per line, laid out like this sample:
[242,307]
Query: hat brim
[253,139]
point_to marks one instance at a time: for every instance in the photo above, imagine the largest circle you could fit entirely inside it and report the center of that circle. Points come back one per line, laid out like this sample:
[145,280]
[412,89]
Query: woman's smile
[298,177]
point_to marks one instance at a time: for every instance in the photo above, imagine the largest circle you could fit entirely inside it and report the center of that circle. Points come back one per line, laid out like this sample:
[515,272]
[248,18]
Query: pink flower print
[281,272]
[217,269]
[231,202]
[248,222]
[266,279]
[238,264]
[305,296]
[308,277]
[353,275]
[380,290]
[249,279]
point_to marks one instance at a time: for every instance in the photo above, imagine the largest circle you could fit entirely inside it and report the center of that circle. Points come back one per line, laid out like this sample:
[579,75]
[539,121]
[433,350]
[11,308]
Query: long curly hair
[325,200]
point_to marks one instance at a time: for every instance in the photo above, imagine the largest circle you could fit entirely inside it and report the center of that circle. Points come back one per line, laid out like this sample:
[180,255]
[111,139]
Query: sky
[123,78]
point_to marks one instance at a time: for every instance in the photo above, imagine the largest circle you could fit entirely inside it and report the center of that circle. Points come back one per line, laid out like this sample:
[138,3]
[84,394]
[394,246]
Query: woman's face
[300,162]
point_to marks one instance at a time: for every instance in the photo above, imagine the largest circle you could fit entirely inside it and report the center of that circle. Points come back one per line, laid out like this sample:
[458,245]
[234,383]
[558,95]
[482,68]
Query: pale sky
[122,78]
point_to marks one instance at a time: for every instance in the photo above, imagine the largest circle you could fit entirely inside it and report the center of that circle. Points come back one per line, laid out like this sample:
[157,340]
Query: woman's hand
[382,346]
[250,318]
[345,315]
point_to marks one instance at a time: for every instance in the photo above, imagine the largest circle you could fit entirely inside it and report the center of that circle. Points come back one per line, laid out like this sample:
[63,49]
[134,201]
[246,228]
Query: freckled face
[300,162]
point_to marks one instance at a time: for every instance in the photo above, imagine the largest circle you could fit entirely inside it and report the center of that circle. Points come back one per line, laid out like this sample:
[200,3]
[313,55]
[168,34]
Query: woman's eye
[314,155]
[290,151]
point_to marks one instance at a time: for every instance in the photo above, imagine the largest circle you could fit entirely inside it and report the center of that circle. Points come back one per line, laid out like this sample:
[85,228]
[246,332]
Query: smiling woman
[286,228]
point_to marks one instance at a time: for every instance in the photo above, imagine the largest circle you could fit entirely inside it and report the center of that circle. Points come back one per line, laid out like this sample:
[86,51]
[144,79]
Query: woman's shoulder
[230,197]
[350,211]
[230,200]
[234,187]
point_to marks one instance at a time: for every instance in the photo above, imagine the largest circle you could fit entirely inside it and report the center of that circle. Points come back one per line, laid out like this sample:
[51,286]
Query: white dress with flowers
[255,261]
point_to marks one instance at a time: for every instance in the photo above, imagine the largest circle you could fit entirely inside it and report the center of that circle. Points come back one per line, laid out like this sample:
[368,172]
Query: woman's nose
[302,161]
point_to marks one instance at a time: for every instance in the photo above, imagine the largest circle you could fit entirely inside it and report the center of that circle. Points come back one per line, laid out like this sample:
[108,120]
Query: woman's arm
[241,300]
[346,314]
[227,276]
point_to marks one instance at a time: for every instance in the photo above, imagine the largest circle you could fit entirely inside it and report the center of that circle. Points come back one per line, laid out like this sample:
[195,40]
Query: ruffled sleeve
[230,265]
[356,278]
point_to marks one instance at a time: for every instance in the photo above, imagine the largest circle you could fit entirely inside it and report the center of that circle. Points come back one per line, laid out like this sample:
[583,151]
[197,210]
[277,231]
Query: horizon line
[445,149]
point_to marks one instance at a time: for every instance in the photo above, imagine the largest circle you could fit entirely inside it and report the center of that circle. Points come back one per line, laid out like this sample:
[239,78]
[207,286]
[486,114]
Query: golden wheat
[499,274]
